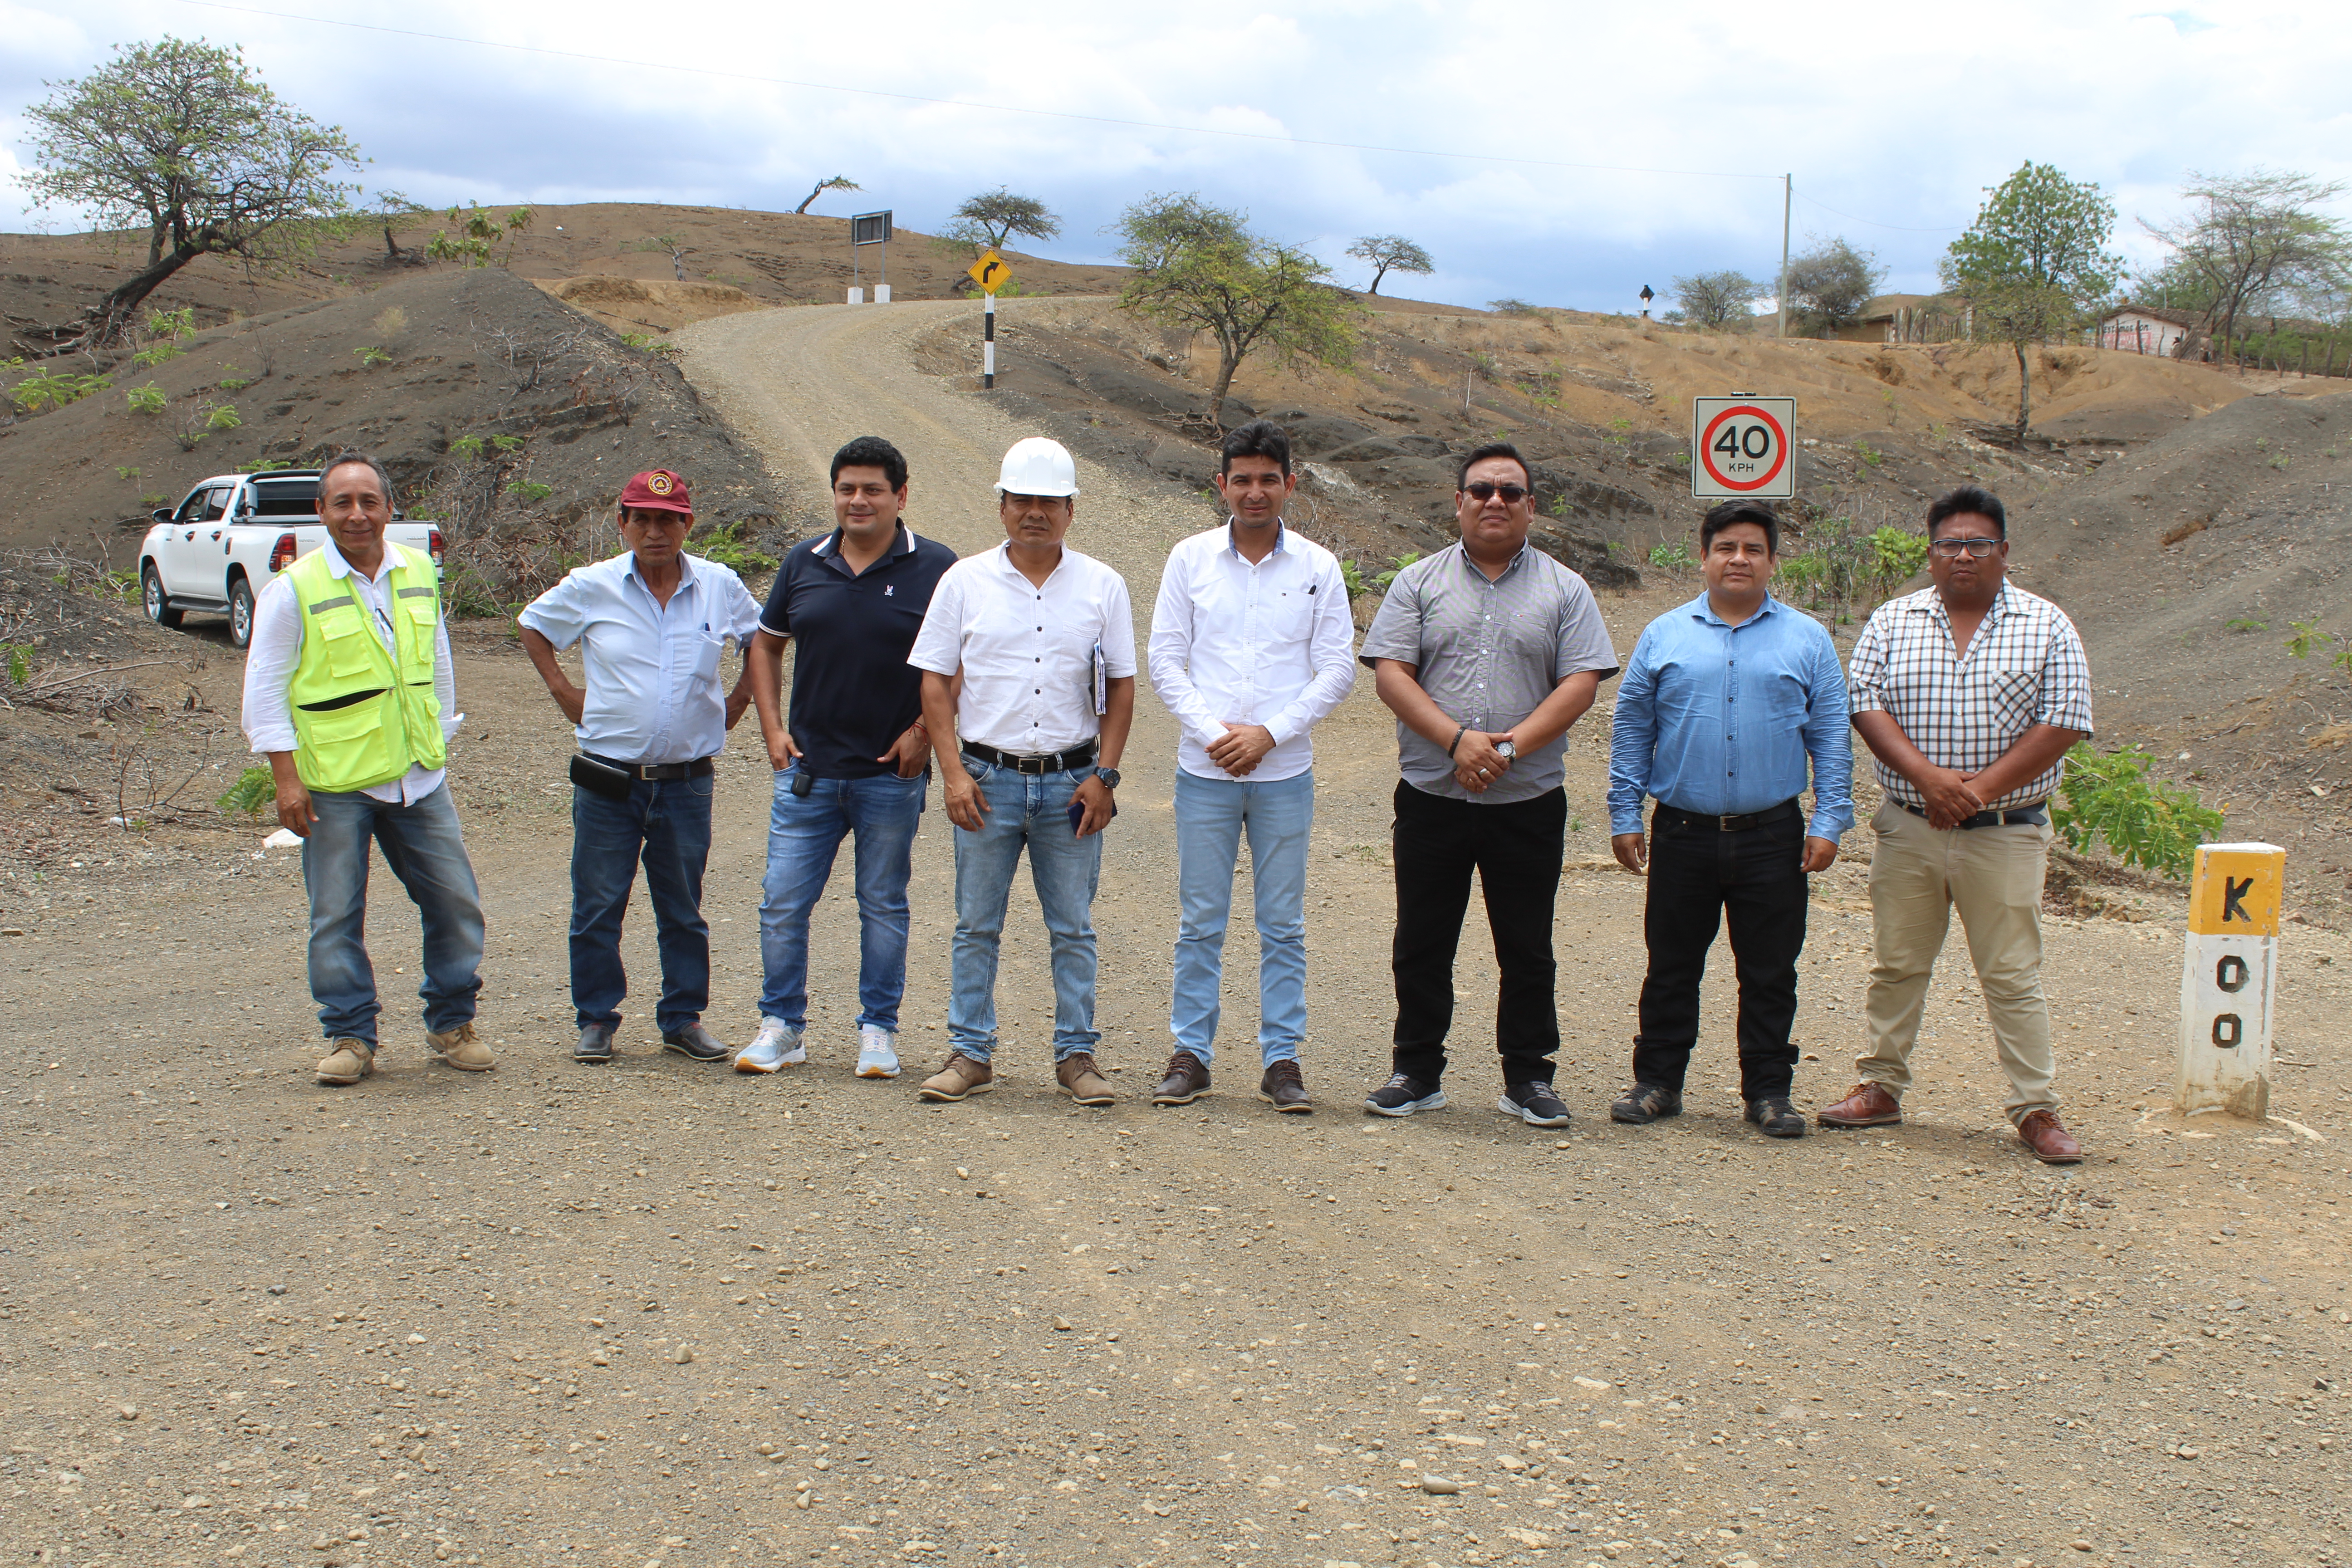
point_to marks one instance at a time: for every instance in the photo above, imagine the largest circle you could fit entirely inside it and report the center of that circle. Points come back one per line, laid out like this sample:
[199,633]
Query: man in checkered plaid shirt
[1968,694]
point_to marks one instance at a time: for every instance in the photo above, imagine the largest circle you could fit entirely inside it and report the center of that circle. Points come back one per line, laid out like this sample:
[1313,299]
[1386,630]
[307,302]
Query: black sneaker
[595,1046]
[1776,1118]
[1533,1103]
[697,1044]
[1403,1095]
[1646,1102]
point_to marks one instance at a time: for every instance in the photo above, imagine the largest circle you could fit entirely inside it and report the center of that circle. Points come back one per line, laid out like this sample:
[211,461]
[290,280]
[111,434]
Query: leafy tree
[838,183]
[1828,284]
[1712,299]
[1391,252]
[985,221]
[2034,263]
[2256,240]
[186,139]
[1199,266]
[477,237]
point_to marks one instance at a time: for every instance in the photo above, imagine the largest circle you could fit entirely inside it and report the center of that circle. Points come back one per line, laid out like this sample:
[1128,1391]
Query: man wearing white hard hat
[1028,661]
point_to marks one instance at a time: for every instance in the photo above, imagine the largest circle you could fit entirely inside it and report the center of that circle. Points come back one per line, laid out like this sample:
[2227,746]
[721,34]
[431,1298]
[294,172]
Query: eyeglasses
[1480,490]
[1950,549]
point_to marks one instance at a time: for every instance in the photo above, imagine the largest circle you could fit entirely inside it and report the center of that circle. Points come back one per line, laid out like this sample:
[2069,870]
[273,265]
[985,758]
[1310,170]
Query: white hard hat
[1038,467]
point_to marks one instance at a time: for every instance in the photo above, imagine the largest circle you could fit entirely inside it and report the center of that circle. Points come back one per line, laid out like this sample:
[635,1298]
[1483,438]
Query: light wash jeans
[804,832]
[424,848]
[1031,810]
[1211,817]
[665,824]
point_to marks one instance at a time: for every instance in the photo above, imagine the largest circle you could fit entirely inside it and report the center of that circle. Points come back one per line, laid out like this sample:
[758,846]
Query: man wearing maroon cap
[652,626]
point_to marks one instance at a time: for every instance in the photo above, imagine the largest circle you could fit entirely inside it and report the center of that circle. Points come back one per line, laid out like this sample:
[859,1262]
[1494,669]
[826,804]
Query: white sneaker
[877,1052]
[777,1045]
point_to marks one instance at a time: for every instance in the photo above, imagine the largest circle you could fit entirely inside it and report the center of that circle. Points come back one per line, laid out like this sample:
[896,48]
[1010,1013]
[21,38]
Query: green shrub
[147,399]
[1353,577]
[1896,556]
[2143,821]
[1396,564]
[728,547]
[530,493]
[1675,558]
[373,355]
[154,354]
[254,790]
[52,388]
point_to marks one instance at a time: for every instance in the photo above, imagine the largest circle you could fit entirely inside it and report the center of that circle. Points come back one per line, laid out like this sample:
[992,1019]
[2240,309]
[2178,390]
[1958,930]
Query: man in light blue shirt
[652,626]
[1725,700]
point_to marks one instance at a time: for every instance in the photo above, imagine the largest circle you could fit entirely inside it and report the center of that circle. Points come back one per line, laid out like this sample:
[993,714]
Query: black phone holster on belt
[600,778]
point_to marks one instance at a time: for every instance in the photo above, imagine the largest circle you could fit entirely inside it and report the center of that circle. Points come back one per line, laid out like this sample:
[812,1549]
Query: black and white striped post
[987,342]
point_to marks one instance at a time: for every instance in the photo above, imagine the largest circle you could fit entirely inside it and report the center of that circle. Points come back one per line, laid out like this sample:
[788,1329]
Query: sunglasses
[1481,490]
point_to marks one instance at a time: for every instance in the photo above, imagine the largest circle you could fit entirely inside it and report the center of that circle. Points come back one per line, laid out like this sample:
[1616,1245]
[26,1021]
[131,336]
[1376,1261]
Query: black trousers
[1515,850]
[1700,875]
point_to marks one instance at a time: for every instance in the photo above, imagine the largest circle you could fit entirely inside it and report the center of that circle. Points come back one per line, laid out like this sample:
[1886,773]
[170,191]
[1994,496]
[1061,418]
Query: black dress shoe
[1646,1102]
[595,1046]
[1776,1118]
[697,1044]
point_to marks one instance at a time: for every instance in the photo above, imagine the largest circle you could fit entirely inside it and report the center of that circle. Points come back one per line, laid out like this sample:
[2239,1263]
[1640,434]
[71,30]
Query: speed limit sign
[1739,447]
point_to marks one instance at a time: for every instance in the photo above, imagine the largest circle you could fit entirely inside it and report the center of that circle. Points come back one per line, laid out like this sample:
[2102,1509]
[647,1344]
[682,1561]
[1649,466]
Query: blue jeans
[803,834]
[665,823]
[1211,816]
[422,844]
[1032,810]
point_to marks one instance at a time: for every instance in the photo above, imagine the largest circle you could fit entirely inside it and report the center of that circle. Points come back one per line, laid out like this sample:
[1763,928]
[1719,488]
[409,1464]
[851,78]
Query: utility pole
[1788,200]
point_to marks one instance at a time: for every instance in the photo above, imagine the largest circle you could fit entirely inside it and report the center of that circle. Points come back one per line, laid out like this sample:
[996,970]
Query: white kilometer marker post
[988,341]
[2228,979]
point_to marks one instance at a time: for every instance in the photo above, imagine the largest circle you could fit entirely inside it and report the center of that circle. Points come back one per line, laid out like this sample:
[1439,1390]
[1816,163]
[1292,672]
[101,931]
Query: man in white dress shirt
[1252,644]
[653,625]
[348,691]
[1028,659]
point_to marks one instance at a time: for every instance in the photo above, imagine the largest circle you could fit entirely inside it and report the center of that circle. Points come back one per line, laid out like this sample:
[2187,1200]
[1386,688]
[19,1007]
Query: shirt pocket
[2015,695]
[705,653]
[1286,618]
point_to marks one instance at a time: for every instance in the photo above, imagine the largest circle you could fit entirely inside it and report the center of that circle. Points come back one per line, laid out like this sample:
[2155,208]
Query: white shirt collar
[685,569]
[1281,536]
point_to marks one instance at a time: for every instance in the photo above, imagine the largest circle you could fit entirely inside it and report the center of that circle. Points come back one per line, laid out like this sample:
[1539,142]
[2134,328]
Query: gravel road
[659,1313]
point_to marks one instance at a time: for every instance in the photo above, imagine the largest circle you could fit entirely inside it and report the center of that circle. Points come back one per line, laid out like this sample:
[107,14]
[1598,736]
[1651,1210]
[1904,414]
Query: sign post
[870,228]
[990,273]
[2228,979]
[1743,447]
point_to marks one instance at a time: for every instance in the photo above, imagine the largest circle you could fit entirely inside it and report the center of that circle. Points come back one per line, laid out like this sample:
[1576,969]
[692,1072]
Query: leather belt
[1050,762]
[656,771]
[2015,816]
[1740,824]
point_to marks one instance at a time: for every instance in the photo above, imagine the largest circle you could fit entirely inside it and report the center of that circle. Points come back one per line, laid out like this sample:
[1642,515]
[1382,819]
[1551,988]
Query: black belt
[1077,756]
[1675,814]
[2016,816]
[656,772]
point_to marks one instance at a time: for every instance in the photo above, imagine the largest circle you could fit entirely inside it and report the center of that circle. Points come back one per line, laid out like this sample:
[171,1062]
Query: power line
[1897,227]
[640,64]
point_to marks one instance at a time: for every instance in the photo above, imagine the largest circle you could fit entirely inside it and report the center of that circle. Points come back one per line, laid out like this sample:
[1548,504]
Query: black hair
[1968,499]
[347,456]
[1258,438]
[1723,514]
[1491,449]
[871,452]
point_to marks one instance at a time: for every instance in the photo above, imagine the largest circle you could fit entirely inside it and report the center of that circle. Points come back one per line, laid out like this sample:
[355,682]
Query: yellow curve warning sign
[990,272]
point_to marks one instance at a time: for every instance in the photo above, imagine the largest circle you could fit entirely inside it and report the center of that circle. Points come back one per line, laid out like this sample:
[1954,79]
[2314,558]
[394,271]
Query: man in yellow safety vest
[348,692]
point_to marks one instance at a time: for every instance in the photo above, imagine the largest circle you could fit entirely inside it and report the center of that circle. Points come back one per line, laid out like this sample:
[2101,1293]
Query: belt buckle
[1726,824]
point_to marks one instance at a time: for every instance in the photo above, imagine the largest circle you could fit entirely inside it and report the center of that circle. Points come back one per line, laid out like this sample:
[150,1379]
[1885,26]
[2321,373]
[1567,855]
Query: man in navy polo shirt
[852,758]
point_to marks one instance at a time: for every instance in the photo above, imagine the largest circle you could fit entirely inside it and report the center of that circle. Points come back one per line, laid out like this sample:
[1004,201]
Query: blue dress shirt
[1719,720]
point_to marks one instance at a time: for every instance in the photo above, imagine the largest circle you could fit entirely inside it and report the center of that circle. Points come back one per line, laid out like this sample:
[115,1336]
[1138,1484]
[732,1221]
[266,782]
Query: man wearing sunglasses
[1486,652]
[1968,694]
[652,624]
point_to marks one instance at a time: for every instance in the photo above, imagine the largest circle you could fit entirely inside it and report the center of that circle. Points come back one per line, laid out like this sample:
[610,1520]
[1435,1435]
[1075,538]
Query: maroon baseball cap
[657,490]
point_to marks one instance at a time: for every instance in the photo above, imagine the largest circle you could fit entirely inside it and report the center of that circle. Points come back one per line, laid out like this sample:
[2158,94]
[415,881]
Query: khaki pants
[1993,876]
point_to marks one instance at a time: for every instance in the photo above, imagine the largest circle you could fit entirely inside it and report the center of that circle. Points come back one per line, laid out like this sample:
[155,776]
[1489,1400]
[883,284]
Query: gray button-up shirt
[1488,654]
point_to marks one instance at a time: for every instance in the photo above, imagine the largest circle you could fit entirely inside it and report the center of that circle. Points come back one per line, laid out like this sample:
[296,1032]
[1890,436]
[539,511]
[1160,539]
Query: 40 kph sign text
[1741,447]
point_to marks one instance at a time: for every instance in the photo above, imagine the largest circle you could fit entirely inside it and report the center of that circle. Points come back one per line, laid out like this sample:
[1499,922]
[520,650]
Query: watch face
[1110,777]
[1509,748]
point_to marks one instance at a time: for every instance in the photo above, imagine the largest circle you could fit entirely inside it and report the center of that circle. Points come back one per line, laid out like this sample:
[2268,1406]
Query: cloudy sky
[1562,154]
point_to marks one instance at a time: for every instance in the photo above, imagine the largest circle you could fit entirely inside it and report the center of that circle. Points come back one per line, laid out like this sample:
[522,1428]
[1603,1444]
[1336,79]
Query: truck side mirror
[162,514]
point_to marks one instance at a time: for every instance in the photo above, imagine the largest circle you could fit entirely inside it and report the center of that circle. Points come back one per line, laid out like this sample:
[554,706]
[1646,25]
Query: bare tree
[1711,299]
[2251,237]
[1391,252]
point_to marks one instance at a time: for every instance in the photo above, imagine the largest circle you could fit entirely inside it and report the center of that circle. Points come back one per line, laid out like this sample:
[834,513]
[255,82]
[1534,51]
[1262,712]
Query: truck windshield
[286,498]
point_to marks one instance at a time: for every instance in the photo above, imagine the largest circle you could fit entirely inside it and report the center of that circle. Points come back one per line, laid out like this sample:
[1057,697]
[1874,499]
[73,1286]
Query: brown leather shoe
[1865,1105]
[2043,1133]
[960,1079]
[1283,1088]
[1082,1082]
[1187,1081]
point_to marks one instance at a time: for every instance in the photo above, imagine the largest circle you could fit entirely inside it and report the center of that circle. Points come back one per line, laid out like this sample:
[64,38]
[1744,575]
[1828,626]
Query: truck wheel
[151,589]
[240,613]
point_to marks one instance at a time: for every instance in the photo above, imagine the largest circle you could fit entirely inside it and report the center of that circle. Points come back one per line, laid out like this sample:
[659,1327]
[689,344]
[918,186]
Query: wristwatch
[1507,749]
[1110,777]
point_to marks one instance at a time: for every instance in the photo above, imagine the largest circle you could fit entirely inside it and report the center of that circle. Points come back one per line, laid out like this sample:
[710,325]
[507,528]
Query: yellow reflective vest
[365,717]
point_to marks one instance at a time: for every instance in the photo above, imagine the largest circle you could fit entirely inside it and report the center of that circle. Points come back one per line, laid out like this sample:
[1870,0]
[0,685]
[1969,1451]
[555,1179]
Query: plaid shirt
[2024,667]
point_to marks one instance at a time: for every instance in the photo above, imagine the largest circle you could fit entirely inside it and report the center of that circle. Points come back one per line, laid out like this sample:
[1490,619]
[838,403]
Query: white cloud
[1891,120]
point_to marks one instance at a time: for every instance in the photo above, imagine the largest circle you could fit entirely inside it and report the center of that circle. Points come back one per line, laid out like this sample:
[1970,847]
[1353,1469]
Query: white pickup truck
[235,531]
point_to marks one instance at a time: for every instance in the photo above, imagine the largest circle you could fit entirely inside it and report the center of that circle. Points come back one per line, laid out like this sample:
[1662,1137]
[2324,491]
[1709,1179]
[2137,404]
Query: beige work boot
[349,1061]
[1081,1081]
[461,1050]
[961,1079]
